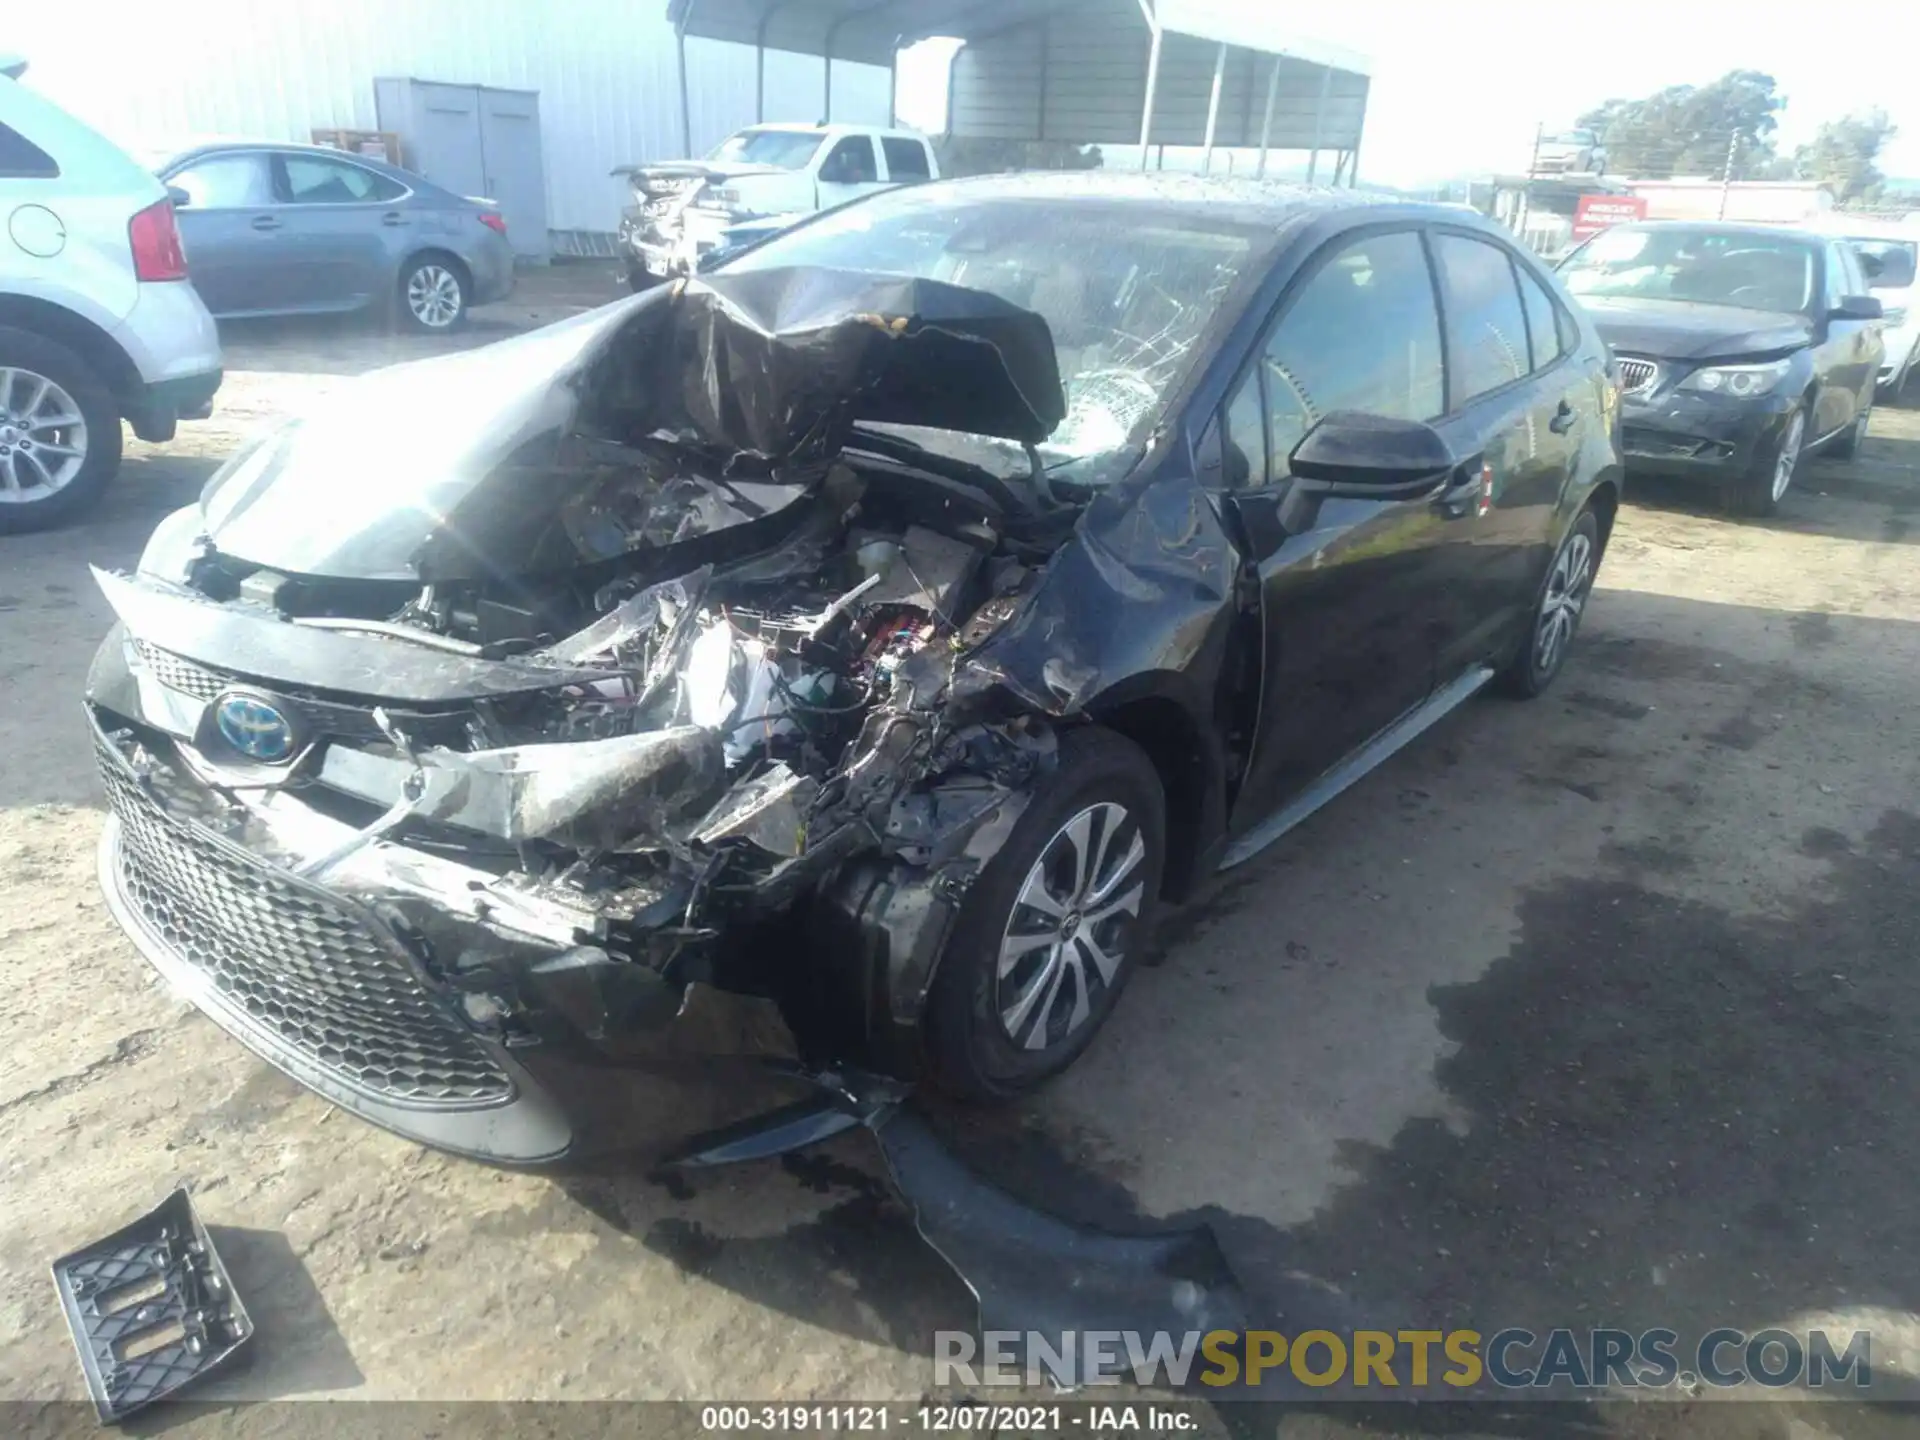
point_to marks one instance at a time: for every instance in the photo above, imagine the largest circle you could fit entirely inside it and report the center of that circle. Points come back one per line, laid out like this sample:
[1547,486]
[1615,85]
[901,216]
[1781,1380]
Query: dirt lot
[1596,1010]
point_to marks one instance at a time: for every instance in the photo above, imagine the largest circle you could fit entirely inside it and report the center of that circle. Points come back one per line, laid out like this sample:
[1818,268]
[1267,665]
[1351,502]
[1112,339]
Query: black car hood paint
[1692,330]
[693,409]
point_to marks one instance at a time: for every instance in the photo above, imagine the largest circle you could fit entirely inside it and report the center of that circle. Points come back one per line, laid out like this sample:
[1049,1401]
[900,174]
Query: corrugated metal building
[156,77]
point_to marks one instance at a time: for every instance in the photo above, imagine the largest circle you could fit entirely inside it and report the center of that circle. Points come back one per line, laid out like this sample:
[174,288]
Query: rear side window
[906,159]
[1361,334]
[850,163]
[316,180]
[21,159]
[1486,325]
[224,182]
[1543,321]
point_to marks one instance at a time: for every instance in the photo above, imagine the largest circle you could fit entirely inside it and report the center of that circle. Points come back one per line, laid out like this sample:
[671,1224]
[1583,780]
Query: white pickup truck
[681,209]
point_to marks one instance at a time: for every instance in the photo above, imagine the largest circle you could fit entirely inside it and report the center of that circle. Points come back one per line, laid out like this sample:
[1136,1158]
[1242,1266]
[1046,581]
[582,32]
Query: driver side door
[1347,587]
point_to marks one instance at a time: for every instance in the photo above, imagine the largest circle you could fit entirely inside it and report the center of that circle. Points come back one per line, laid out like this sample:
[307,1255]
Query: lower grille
[295,963]
[1636,375]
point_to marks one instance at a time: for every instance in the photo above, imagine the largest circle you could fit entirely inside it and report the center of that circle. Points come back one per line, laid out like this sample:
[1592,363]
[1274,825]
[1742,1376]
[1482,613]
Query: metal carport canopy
[1114,72]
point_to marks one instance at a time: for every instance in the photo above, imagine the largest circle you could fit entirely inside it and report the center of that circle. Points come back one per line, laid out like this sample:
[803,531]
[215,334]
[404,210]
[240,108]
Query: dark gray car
[298,229]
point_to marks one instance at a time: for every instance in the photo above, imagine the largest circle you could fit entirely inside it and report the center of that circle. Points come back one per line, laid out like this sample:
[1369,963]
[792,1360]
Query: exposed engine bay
[688,625]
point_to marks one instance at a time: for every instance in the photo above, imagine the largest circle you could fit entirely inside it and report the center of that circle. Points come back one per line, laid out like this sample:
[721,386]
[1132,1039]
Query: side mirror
[1369,457]
[180,198]
[1859,307]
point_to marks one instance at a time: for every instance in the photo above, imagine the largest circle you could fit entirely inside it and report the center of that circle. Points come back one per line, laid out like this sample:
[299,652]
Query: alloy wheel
[1065,939]
[1789,456]
[1566,596]
[43,437]
[433,295]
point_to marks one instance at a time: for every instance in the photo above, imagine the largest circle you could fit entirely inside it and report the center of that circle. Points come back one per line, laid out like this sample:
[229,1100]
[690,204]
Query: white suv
[97,320]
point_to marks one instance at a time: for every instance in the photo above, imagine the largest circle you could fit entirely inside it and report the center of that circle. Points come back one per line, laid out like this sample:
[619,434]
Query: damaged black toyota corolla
[817,671]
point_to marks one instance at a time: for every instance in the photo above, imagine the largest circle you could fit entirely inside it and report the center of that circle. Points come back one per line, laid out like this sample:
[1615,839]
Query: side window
[906,159]
[850,163]
[1486,327]
[21,159]
[1543,320]
[1361,334]
[1243,438]
[1838,282]
[224,182]
[1569,331]
[315,180]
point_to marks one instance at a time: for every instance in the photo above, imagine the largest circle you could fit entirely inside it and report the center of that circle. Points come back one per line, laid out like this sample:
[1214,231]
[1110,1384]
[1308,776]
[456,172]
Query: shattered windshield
[1127,289]
[1716,267]
[787,149]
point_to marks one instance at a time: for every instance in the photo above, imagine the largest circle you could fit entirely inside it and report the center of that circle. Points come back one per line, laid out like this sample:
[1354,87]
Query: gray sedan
[298,229]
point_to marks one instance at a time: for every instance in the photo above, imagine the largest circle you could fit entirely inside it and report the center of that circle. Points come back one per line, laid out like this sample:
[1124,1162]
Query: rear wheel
[1556,612]
[1761,489]
[433,295]
[1053,926]
[59,433]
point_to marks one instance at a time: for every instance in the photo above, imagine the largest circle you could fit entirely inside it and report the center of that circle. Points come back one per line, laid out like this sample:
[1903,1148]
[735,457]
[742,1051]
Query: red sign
[1597,212]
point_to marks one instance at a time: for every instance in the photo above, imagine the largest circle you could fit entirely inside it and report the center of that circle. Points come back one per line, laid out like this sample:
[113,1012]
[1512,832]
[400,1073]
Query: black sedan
[1740,347]
[838,656]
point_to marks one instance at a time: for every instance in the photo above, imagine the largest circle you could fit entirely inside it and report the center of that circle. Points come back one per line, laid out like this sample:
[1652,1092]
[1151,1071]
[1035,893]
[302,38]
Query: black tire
[971,1053]
[430,285]
[30,357]
[1757,492]
[1850,440]
[1534,666]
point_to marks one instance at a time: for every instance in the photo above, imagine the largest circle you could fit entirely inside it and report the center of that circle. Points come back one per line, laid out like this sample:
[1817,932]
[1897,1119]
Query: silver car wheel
[433,295]
[1065,940]
[43,437]
[1567,586]
[1789,457]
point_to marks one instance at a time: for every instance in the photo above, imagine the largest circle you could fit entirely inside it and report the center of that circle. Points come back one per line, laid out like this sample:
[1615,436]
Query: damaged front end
[513,784]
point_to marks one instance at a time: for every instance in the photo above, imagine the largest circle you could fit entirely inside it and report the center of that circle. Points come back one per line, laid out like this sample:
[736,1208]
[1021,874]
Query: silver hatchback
[298,229]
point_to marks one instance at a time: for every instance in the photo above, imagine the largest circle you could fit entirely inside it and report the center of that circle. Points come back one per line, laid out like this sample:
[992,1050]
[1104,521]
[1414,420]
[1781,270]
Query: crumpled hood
[691,409]
[1692,330]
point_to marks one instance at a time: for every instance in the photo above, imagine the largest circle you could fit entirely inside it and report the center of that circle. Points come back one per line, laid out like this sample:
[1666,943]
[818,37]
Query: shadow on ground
[1665,1111]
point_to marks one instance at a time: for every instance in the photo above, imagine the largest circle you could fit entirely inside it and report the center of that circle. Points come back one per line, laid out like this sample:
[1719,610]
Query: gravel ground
[1595,1010]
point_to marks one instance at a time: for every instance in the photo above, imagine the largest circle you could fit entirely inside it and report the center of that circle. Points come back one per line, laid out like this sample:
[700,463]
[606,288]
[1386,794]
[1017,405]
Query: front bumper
[1701,436]
[1898,360]
[483,1030]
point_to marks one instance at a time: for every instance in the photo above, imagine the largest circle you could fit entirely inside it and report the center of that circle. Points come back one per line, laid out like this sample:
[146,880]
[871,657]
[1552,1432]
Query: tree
[1842,155]
[1688,129]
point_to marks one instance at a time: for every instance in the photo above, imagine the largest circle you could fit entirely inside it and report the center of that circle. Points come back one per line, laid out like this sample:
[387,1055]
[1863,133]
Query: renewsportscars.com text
[1423,1364]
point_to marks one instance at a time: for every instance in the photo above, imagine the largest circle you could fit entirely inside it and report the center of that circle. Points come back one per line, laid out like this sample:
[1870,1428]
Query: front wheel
[1557,611]
[433,295]
[1761,489]
[59,433]
[1053,926]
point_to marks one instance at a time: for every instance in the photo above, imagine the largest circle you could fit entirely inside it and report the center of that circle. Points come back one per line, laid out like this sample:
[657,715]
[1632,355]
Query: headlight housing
[1743,382]
[1895,316]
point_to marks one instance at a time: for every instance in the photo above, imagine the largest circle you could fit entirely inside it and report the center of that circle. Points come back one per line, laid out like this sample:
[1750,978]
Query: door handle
[1469,490]
[1563,419]
[393,217]
[265,222]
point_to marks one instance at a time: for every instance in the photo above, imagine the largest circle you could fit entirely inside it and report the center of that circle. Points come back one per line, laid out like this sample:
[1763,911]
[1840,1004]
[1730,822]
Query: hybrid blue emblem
[254,726]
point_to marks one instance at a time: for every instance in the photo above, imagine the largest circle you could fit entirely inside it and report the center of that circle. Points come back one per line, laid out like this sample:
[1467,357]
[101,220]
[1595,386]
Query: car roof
[1239,200]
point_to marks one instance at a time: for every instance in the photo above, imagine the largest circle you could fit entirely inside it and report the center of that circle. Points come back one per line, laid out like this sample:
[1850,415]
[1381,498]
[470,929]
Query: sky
[1458,88]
